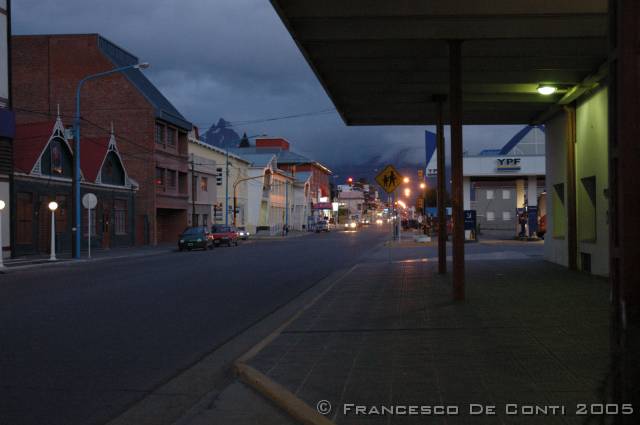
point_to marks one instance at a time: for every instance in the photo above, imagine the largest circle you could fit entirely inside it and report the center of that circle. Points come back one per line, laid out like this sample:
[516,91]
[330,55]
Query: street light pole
[2,205]
[53,206]
[76,153]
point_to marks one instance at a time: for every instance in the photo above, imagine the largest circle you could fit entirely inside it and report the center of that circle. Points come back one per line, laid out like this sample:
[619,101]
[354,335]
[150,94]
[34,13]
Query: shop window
[491,216]
[559,213]
[506,215]
[120,216]
[506,194]
[160,134]
[61,214]
[587,227]
[204,182]
[24,218]
[489,194]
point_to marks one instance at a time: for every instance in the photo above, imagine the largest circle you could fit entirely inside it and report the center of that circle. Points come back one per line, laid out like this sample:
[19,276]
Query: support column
[624,203]
[455,104]
[570,192]
[466,202]
[442,187]
[532,204]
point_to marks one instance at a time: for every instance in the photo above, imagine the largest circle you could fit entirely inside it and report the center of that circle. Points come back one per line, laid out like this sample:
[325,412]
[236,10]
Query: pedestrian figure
[523,223]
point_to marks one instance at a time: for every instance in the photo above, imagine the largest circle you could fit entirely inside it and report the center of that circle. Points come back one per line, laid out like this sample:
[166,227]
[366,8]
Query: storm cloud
[233,59]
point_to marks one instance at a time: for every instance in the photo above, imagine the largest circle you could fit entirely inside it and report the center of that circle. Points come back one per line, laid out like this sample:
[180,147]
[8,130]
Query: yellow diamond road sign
[389,178]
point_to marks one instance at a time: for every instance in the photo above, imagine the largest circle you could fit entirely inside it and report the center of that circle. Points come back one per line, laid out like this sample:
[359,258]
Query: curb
[282,397]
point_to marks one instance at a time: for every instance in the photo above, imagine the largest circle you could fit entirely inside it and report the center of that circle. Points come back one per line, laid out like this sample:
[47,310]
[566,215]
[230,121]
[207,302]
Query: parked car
[197,237]
[243,234]
[322,226]
[224,235]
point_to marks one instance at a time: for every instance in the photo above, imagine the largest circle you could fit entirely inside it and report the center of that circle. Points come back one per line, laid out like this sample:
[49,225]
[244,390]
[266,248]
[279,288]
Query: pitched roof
[302,176]
[255,159]
[164,109]
[93,152]
[31,139]
[284,156]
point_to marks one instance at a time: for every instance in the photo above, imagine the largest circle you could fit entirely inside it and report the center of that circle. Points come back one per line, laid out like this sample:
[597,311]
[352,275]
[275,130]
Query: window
[160,177]
[506,215]
[205,219]
[171,179]
[491,216]
[204,182]
[182,182]
[219,177]
[61,214]
[120,216]
[159,134]
[171,137]
[24,216]
[506,194]
[489,194]
[56,157]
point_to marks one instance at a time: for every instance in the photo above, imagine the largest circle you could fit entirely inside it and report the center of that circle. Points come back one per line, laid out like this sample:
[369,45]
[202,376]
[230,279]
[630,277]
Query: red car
[224,235]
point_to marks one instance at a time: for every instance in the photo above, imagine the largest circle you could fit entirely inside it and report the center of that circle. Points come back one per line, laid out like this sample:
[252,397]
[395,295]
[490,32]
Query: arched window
[112,170]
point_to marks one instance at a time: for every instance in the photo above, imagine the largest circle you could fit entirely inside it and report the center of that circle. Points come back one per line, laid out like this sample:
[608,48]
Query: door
[106,226]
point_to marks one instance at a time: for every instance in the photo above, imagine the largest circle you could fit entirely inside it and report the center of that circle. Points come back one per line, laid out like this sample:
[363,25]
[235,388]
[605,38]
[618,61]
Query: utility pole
[193,192]
[226,190]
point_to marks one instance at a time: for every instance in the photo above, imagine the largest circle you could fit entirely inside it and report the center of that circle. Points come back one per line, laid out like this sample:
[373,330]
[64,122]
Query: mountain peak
[221,135]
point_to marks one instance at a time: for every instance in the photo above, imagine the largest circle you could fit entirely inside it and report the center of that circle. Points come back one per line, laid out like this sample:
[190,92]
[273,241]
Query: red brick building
[152,134]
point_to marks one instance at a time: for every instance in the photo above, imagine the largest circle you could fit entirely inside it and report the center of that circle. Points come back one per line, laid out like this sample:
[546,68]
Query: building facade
[43,173]
[152,134]
[208,166]
[7,127]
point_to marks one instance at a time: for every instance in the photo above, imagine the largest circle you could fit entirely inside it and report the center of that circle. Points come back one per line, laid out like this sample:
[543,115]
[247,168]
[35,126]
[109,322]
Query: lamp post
[226,182]
[76,153]
[2,205]
[53,206]
[235,198]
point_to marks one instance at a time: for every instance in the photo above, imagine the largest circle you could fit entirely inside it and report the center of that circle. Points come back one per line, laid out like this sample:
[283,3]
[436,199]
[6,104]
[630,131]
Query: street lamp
[76,153]
[407,192]
[226,183]
[423,185]
[2,205]
[406,180]
[53,206]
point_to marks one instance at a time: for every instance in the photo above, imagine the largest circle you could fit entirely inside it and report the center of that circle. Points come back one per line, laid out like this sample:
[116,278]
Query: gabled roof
[164,109]
[284,156]
[255,159]
[29,143]
[94,150]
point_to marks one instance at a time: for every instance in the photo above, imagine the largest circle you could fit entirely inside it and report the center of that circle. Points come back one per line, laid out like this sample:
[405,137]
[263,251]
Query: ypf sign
[508,164]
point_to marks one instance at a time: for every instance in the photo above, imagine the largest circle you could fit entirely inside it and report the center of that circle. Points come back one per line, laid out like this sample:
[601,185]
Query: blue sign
[469,219]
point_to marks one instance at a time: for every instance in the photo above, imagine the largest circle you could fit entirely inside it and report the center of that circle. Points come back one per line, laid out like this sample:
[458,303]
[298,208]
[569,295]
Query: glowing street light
[423,185]
[406,180]
[53,206]
[407,192]
[546,90]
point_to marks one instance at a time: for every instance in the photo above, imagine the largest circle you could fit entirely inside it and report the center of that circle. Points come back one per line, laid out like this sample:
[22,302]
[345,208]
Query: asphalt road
[80,343]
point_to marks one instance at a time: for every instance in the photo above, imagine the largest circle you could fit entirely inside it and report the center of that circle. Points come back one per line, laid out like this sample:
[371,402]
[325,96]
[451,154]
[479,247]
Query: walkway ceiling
[381,61]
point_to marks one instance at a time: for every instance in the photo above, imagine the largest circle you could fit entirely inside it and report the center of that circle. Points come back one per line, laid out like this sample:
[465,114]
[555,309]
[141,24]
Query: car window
[193,231]
[220,229]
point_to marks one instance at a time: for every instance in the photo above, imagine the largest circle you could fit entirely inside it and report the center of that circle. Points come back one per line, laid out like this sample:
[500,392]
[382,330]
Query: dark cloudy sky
[231,59]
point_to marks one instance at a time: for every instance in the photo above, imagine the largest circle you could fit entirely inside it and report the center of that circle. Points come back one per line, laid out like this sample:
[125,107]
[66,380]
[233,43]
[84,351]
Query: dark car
[197,237]
[224,235]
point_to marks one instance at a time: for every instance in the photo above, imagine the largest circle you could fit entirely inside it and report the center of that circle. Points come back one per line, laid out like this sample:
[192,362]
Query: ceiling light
[546,90]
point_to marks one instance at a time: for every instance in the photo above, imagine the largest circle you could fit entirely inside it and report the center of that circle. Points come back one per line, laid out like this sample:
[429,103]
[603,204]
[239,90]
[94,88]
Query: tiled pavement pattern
[529,333]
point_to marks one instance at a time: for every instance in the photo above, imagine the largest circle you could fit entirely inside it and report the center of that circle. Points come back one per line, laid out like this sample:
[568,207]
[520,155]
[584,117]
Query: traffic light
[420,202]
[420,173]
[350,180]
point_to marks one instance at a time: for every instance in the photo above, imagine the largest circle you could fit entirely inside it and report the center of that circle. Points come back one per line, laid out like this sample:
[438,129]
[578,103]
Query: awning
[381,61]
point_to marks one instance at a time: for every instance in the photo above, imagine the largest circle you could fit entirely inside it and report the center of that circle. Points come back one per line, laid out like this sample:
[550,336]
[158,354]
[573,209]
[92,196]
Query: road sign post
[89,201]
[389,179]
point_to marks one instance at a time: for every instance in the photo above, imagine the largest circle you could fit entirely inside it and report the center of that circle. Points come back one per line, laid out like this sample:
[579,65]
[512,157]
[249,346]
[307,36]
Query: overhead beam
[403,8]
[385,28]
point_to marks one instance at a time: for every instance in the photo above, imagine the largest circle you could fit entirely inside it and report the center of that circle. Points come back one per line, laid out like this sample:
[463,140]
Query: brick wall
[46,71]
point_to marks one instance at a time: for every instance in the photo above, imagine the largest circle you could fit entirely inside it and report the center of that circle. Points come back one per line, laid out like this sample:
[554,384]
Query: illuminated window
[491,216]
[489,194]
[204,182]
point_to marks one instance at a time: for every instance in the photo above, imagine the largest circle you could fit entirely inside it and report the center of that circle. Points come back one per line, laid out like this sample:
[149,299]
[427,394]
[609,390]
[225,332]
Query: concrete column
[532,191]
[520,193]
[455,103]
[466,192]
[442,188]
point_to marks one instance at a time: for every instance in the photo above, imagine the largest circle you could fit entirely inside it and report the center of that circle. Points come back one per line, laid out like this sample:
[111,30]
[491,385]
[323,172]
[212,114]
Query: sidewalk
[29,261]
[530,333]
